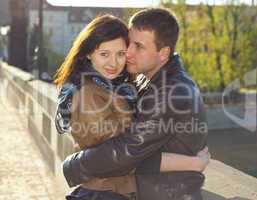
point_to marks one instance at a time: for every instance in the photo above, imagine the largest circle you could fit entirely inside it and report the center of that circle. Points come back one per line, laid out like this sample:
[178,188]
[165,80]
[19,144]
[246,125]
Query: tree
[217,43]
[217,32]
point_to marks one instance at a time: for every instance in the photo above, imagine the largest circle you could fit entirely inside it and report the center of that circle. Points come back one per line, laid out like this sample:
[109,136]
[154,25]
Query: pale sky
[130,3]
[105,3]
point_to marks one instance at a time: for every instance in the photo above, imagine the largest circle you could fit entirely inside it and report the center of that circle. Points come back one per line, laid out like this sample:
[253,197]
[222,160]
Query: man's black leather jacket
[170,118]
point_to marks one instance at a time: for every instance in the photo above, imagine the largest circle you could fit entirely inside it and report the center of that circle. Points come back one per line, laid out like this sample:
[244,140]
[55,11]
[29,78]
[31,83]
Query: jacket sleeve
[63,112]
[119,155]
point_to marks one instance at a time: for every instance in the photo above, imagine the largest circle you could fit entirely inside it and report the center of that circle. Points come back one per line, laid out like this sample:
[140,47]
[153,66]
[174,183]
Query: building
[62,24]
[4,13]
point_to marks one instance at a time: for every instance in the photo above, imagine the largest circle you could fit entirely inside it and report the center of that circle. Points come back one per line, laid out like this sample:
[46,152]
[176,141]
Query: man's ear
[88,57]
[164,53]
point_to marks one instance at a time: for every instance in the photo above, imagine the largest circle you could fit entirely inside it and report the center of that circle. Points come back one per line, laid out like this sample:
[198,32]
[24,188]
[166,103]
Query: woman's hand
[179,162]
[204,158]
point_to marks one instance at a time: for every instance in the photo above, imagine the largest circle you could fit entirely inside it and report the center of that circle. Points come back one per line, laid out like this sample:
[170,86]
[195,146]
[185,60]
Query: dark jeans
[81,193]
[196,196]
[170,186]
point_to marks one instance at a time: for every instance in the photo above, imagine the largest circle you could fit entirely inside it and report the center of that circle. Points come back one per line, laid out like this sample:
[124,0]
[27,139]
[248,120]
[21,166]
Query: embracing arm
[179,162]
[116,156]
[119,155]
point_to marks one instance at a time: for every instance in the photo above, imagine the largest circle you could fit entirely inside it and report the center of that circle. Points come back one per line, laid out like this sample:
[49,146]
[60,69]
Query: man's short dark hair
[162,22]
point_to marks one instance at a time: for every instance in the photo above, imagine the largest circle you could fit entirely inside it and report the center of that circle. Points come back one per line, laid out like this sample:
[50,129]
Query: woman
[96,101]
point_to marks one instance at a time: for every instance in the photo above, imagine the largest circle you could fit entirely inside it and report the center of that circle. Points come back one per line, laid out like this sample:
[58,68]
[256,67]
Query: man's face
[142,54]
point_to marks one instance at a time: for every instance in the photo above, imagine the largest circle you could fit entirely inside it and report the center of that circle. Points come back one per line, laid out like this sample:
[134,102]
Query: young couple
[135,114]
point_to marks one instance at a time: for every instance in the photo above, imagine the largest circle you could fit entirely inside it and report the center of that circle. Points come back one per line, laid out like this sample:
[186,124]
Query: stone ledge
[15,72]
[225,182]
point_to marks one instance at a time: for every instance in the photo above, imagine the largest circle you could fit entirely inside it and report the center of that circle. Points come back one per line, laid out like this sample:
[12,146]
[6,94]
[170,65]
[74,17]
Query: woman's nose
[113,61]
[129,51]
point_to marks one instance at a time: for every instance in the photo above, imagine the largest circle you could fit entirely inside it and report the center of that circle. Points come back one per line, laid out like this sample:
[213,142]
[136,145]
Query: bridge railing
[35,103]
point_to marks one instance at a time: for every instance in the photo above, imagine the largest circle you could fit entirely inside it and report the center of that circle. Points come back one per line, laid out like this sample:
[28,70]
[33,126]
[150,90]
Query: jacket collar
[173,67]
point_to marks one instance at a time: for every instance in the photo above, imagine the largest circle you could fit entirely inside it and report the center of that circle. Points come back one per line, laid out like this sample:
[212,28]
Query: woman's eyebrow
[102,50]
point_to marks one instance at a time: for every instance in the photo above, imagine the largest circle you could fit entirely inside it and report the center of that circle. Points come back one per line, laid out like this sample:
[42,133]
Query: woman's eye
[104,54]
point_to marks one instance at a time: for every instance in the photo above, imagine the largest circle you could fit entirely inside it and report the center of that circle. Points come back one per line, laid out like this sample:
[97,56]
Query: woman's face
[110,58]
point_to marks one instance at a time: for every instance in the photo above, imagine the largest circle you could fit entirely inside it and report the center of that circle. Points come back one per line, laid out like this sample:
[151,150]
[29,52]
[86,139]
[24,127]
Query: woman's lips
[111,71]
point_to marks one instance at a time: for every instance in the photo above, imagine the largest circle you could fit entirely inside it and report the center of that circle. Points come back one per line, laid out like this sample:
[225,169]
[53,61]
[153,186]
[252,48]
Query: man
[170,118]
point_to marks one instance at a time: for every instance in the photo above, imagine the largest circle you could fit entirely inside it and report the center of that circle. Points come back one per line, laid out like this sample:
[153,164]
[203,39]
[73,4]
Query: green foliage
[128,12]
[54,61]
[217,43]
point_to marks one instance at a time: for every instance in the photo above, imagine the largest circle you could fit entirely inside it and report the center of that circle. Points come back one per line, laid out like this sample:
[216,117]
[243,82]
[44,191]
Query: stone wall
[36,102]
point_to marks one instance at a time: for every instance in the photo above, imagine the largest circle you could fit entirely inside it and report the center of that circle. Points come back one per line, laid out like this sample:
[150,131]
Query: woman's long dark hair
[101,29]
